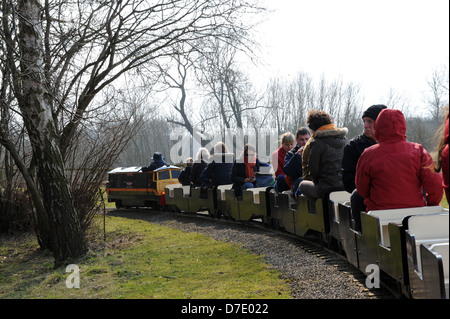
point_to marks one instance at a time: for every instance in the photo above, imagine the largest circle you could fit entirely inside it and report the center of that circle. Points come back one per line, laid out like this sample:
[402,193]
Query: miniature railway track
[324,257]
[313,245]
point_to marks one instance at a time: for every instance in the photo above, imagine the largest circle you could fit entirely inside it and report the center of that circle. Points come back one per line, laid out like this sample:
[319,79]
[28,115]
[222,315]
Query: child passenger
[287,143]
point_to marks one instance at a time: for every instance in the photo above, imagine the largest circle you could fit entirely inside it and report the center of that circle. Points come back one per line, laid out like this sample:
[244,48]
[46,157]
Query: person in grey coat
[324,162]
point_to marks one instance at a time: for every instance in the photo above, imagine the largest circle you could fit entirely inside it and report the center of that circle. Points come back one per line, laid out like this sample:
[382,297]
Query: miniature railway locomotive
[130,187]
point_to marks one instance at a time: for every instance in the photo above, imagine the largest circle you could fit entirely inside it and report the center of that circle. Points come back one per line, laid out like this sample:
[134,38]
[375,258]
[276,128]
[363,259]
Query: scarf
[326,127]
[249,168]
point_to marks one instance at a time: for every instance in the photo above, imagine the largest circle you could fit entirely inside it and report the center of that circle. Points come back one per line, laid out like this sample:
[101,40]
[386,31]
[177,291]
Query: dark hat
[157,156]
[373,111]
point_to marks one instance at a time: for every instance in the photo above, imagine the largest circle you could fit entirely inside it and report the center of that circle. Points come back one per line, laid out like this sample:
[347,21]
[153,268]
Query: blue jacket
[293,164]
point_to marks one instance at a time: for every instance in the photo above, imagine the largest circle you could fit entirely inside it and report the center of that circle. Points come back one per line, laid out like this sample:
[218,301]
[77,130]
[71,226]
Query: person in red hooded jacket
[394,173]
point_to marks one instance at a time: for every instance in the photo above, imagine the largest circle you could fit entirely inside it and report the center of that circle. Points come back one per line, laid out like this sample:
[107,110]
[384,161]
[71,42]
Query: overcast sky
[378,44]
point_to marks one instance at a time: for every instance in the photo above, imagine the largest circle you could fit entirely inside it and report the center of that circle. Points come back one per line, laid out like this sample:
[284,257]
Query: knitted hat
[157,156]
[373,111]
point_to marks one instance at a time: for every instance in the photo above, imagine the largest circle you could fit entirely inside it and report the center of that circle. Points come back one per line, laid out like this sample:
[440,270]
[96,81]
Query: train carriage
[130,187]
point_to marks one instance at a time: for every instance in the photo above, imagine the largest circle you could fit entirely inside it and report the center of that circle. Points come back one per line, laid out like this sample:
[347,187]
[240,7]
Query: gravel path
[312,272]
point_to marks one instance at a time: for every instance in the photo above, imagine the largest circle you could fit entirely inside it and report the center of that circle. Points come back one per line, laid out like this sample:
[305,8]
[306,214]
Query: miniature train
[131,187]
[407,249]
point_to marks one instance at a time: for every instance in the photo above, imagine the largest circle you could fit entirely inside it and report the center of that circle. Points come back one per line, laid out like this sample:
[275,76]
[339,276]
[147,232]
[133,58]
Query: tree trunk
[67,240]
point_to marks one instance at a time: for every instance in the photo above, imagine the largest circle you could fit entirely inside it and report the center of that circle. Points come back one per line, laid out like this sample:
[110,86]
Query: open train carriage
[130,187]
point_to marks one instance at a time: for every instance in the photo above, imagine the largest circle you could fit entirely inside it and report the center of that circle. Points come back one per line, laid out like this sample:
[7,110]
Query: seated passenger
[185,174]
[218,171]
[158,161]
[293,160]
[249,172]
[325,156]
[287,143]
[352,152]
[199,164]
[393,173]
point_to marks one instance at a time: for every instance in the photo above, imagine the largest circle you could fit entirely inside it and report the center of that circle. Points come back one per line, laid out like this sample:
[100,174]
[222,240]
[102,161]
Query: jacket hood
[334,137]
[390,126]
[336,131]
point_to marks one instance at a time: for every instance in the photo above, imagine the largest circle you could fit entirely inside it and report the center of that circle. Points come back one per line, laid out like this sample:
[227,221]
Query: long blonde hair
[442,143]
[203,154]
[220,147]
[287,137]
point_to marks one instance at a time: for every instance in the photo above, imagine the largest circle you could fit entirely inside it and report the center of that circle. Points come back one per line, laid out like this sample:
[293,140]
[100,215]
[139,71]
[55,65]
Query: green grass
[444,202]
[141,260]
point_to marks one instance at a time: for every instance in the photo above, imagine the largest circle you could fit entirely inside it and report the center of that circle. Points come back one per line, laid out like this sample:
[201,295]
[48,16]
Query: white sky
[379,44]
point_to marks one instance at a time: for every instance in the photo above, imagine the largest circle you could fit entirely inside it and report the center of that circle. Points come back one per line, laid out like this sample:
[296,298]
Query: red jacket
[391,174]
[278,161]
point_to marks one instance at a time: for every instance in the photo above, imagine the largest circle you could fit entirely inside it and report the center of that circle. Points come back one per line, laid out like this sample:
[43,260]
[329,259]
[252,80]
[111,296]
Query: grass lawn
[140,260]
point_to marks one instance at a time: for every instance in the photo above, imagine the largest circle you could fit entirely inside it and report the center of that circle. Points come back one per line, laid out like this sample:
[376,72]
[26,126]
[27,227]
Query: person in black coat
[185,175]
[199,165]
[352,152]
[218,171]
[158,161]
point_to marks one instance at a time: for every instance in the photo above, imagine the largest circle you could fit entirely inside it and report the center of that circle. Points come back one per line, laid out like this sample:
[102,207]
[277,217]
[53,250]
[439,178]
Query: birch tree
[59,228]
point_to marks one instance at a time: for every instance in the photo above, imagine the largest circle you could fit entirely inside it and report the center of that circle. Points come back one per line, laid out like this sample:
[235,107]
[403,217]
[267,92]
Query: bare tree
[303,99]
[228,87]
[179,82]
[59,55]
[289,102]
[277,102]
[393,99]
[58,224]
[437,96]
